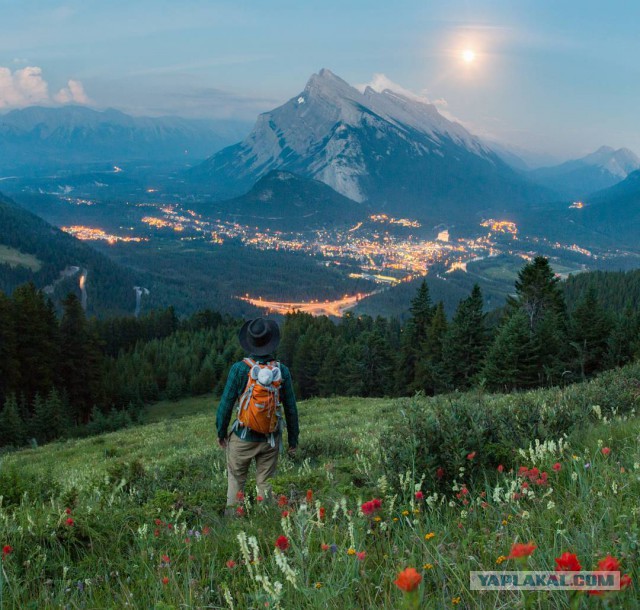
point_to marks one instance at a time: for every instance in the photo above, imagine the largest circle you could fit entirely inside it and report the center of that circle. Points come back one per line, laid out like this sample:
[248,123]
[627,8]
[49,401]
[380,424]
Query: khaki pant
[239,457]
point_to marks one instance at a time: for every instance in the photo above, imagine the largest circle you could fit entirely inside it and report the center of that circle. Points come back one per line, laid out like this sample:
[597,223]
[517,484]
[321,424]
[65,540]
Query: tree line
[91,375]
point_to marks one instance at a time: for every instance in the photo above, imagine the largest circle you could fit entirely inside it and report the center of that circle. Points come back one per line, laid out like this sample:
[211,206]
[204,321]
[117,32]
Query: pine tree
[624,334]
[590,329]
[512,358]
[9,370]
[429,368]
[12,429]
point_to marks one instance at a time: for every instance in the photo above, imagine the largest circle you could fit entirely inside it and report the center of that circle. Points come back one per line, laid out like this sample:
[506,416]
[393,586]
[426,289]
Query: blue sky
[560,76]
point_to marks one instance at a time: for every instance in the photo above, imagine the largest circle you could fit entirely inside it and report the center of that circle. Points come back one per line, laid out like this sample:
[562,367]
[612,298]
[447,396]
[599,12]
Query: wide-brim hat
[259,337]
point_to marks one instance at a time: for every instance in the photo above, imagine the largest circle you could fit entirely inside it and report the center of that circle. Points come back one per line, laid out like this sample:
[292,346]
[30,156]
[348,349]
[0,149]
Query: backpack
[259,404]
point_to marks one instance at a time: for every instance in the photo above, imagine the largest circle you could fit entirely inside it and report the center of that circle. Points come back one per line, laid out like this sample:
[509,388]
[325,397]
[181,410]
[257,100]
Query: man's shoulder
[285,370]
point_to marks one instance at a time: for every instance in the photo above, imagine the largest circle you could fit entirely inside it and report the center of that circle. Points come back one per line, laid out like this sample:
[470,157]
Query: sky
[556,77]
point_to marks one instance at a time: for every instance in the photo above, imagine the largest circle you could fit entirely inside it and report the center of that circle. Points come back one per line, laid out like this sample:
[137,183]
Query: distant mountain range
[42,137]
[599,170]
[395,152]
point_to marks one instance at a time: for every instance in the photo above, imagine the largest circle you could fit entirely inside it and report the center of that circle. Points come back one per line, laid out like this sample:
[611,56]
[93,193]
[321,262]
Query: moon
[468,56]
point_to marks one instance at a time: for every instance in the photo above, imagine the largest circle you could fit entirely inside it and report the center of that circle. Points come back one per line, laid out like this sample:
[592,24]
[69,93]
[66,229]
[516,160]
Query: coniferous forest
[64,375]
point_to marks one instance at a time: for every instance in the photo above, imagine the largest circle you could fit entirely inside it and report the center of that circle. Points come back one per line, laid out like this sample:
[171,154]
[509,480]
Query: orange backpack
[259,404]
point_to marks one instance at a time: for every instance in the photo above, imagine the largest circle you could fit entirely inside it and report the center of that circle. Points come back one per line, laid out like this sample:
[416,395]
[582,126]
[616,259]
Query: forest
[62,374]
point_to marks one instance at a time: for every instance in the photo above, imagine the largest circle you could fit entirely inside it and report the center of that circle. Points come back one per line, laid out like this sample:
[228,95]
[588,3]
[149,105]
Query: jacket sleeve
[232,391]
[290,408]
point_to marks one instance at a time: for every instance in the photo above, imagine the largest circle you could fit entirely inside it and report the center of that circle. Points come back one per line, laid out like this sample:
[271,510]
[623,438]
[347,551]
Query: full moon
[468,56]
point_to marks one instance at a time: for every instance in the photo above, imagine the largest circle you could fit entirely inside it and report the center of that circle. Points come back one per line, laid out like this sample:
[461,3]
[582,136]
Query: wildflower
[322,512]
[282,501]
[377,503]
[521,550]
[318,585]
[377,519]
[240,496]
[605,451]
[500,468]
[408,580]
[500,559]
[231,564]
[70,522]
[557,466]
[285,514]
[395,519]
[429,536]
[484,505]
[259,498]
[504,522]
[440,472]
[405,513]
[334,548]
[567,562]
[165,559]
[351,551]
[471,455]
[170,526]
[325,547]
[427,566]
[419,495]
[309,496]
[456,600]
[6,550]
[625,581]
[156,532]
[609,564]
[206,530]
[240,511]
[165,580]
[282,543]
[67,510]
[361,555]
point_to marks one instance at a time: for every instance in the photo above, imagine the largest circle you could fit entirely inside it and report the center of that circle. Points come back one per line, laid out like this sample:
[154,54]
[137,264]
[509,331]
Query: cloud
[73,93]
[27,87]
[380,82]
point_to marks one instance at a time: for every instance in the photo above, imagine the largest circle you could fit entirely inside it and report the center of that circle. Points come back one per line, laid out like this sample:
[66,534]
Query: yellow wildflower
[395,519]
[504,522]
[429,536]
[318,585]
[500,559]
[405,513]
[416,511]
[351,551]
[427,566]
[455,601]
[377,518]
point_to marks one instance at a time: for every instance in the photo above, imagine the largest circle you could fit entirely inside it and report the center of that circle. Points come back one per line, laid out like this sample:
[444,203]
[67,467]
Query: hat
[259,337]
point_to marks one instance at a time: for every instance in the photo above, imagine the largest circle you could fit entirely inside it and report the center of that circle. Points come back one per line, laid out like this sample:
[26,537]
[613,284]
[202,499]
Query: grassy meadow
[132,519]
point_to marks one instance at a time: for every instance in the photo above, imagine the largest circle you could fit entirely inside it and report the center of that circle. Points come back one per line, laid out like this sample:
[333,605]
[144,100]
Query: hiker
[259,385]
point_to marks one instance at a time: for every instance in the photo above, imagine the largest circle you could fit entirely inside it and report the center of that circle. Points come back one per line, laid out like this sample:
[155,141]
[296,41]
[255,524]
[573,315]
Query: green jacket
[236,384]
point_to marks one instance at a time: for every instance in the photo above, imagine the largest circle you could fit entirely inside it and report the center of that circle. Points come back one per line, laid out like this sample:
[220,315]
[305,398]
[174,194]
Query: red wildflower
[361,555]
[165,559]
[605,451]
[525,485]
[6,550]
[158,522]
[419,495]
[609,564]
[187,540]
[484,504]
[69,521]
[282,501]
[367,508]
[521,550]
[408,580]
[206,530]
[440,472]
[165,580]
[259,498]
[533,473]
[516,496]
[282,543]
[309,496]
[522,471]
[625,581]
[67,510]
[240,496]
[500,468]
[240,511]
[231,564]
[464,491]
[376,503]
[324,547]
[156,533]
[567,562]
[557,466]
[471,455]
[322,512]
[170,526]
[285,514]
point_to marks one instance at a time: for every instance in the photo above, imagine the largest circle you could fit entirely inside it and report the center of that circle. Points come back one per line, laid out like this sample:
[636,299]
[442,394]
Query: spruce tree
[12,429]
[429,368]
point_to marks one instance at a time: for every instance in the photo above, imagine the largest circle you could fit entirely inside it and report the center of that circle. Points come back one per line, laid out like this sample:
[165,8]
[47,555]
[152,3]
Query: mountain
[284,199]
[75,134]
[32,250]
[390,149]
[599,170]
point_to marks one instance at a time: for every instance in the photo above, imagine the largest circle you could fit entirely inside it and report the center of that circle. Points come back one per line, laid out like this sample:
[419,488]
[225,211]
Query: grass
[147,530]
[15,258]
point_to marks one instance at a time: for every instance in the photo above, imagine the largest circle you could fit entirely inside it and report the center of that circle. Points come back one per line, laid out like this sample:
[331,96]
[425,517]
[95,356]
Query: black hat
[259,337]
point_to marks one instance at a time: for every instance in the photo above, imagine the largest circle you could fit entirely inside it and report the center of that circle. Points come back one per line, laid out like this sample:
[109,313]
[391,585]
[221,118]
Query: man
[247,380]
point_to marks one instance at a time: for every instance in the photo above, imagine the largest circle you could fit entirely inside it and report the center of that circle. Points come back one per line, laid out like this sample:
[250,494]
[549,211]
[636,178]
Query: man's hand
[223,443]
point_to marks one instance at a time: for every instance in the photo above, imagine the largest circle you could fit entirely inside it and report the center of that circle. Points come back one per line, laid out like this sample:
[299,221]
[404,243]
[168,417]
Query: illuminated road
[315,308]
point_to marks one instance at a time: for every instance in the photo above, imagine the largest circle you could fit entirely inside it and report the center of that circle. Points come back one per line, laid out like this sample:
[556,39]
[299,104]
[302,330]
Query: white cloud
[73,93]
[380,82]
[27,87]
